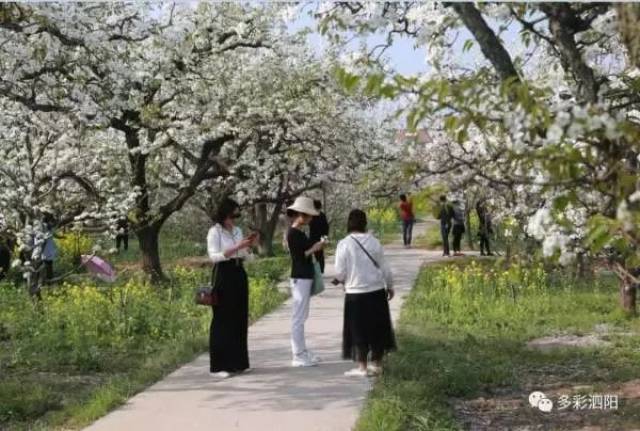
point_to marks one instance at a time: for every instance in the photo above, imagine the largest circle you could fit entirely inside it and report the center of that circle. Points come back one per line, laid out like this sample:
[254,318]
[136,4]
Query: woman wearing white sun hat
[301,250]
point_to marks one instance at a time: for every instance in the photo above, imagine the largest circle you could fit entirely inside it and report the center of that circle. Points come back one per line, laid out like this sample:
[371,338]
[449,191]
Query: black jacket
[318,227]
[445,215]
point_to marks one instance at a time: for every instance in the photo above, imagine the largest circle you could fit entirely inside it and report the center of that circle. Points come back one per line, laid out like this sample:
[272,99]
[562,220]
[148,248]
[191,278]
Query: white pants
[301,292]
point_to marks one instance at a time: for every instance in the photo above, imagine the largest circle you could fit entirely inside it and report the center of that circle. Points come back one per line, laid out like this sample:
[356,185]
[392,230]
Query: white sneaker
[374,371]
[357,372]
[312,356]
[221,374]
[303,361]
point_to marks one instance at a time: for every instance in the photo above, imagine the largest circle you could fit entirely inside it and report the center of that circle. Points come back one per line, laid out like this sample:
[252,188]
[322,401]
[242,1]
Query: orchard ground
[467,356]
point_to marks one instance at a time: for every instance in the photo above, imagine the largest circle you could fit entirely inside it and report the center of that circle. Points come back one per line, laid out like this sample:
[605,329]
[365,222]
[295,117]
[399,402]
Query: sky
[403,55]
[405,58]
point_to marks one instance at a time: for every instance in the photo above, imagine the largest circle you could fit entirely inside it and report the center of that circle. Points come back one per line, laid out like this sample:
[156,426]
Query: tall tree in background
[553,116]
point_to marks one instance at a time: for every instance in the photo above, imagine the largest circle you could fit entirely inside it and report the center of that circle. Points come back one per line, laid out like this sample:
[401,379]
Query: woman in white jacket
[367,332]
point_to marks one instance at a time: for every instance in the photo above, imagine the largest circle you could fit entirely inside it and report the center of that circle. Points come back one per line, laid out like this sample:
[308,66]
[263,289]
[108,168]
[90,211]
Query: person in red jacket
[408,219]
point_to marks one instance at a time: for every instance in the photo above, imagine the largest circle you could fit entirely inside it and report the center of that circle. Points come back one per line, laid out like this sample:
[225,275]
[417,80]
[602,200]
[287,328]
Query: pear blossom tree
[166,101]
[166,83]
[46,171]
[552,117]
[306,132]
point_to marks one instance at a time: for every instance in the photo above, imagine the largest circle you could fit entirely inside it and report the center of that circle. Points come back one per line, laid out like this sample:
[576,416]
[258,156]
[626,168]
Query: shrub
[71,245]
[270,268]
[515,299]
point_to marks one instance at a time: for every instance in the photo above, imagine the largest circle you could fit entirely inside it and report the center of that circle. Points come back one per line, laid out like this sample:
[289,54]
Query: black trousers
[484,243]
[407,231]
[48,270]
[320,259]
[458,230]
[5,260]
[229,327]
[444,231]
[124,240]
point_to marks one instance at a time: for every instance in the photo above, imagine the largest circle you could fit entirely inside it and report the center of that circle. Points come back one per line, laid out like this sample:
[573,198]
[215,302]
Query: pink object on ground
[99,267]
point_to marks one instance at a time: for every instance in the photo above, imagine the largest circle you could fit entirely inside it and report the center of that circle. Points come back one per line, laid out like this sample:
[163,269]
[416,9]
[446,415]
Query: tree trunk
[629,16]
[148,238]
[267,223]
[490,44]
[628,296]
[467,221]
[265,246]
[561,17]
[266,243]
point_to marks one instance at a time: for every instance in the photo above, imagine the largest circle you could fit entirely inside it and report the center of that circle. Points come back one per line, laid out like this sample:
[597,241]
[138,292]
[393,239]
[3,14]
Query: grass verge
[463,361]
[87,348]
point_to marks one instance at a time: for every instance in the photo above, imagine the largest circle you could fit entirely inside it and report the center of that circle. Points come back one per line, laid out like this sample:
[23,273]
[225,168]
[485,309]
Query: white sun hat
[304,205]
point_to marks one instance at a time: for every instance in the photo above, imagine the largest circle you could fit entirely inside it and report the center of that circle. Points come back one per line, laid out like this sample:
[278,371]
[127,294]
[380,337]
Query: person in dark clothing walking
[227,249]
[458,227]
[408,219]
[122,237]
[318,228]
[445,215]
[485,229]
[49,252]
[5,257]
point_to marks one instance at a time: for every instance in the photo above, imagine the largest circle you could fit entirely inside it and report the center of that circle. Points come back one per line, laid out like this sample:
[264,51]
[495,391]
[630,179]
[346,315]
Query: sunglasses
[235,215]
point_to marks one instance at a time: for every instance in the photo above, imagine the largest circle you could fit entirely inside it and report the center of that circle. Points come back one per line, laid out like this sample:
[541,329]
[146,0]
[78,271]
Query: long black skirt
[229,326]
[367,331]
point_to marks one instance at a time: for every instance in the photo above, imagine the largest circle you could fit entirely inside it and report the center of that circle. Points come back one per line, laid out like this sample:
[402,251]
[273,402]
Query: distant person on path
[458,227]
[485,228]
[445,215]
[122,235]
[318,229]
[227,249]
[367,333]
[5,257]
[408,219]
[301,249]
[49,247]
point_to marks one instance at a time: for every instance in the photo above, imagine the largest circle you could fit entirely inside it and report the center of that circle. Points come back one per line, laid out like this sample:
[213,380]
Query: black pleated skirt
[229,326]
[367,331]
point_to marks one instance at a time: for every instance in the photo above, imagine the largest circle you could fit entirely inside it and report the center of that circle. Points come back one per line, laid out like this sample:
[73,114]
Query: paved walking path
[274,395]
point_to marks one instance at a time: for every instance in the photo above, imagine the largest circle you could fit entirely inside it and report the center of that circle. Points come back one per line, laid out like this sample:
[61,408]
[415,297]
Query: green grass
[462,335]
[87,347]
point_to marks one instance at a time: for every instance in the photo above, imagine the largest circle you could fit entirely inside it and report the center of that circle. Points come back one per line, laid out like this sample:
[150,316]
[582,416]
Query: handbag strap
[375,263]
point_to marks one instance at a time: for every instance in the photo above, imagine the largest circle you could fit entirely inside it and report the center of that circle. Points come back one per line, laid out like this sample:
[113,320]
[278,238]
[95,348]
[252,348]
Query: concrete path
[274,395]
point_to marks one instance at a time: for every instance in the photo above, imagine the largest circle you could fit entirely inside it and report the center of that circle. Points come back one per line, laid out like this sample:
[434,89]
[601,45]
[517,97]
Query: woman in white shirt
[367,331]
[227,249]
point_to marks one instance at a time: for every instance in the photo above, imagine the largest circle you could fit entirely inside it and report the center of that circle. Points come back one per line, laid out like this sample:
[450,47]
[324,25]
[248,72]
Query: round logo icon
[535,397]
[540,401]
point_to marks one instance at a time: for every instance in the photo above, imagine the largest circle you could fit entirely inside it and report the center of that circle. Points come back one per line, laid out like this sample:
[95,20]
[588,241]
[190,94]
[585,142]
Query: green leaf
[388,91]
[560,203]
[468,44]
[374,82]
[450,123]
[599,234]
